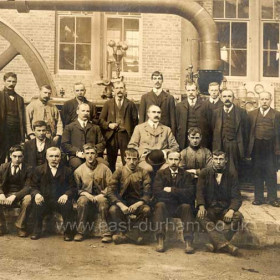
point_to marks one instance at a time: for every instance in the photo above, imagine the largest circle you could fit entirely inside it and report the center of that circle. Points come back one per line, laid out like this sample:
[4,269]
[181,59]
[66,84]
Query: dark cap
[155,158]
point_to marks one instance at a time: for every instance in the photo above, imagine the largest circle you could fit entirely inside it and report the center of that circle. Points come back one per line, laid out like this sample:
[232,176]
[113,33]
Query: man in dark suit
[129,192]
[157,96]
[218,200]
[15,189]
[35,149]
[174,194]
[12,116]
[230,130]
[122,116]
[189,114]
[78,133]
[53,187]
[69,109]
[264,147]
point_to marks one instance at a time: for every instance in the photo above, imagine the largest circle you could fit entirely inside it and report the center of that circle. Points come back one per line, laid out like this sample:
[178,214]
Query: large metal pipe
[188,9]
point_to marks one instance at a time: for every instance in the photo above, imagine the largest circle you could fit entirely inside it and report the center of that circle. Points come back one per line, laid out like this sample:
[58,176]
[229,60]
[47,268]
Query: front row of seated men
[125,199]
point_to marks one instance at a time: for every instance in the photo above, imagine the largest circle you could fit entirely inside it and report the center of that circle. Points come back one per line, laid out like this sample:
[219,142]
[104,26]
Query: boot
[160,244]
[189,247]
[231,249]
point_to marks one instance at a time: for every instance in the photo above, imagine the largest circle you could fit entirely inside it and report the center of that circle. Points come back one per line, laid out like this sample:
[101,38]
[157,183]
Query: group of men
[63,161]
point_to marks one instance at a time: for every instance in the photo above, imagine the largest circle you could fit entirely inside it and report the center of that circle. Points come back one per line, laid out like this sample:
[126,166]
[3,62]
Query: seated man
[35,149]
[174,194]
[129,194]
[218,199]
[195,157]
[53,187]
[78,133]
[15,189]
[152,135]
[92,179]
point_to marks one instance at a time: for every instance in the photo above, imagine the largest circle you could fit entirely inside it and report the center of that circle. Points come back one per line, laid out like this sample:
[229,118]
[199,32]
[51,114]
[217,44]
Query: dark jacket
[25,180]
[121,180]
[21,115]
[252,123]
[74,137]
[130,115]
[30,151]
[241,125]
[182,110]
[42,180]
[167,105]
[206,184]
[183,191]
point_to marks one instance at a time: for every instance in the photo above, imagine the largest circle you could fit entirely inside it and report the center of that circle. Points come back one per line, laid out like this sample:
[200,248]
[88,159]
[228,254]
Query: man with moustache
[264,148]
[157,96]
[121,115]
[42,110]
[152,135]
[189,114]
[230,130]
[69,109]
[174,194]
[12,116]
[35,149]
[79,133]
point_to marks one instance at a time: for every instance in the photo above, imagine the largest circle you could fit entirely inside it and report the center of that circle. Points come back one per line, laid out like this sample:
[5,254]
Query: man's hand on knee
[132,208]
[39,199]
[228,216]
[62,200]
[10,199]
[2,199]
[201,212]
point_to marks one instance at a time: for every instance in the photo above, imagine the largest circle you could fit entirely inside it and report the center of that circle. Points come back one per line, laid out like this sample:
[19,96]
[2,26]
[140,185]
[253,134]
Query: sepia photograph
[139,139]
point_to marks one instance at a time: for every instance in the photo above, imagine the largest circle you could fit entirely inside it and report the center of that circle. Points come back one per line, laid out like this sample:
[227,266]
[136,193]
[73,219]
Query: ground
[52,258]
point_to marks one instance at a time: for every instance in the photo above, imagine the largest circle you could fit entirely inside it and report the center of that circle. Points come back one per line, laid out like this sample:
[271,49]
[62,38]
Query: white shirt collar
[152,124]
[157,91]
[117,100]
[264,113]
[20,166]
[82,122]
[213,100]
[229,109]
[53,167]
[174,172]
[192,101]
[219,177]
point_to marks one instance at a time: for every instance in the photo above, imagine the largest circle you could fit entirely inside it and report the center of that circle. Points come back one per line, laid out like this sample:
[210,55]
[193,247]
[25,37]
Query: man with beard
[42,110]
[68,112]
[218,200]
[122,116]
[12,116]
[160,98]
[230,130]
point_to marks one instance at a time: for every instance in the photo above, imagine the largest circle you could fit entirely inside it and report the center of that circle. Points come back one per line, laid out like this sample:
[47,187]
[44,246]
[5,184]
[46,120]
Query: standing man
[264,148]
[152,135]
[174,193]
[69,109]
[15,189]
[92,179]
[53,188]
[189,114]
[230,130]
[218,200]
[122,116]
[12,116]
[35,149]
[42,110]
[157,96]
[79,133]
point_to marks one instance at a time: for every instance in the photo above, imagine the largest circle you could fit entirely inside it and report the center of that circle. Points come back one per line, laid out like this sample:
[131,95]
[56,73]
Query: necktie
[227,110]
[16,168]
[119,103]
[84,124]
[53,170]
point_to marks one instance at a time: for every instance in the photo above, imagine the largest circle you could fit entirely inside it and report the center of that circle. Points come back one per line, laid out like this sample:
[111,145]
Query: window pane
[225,68]
[67,29]
[239,35]
[270,35]
[238,63]
[270,64]
[230,8]
[218,8]
[131,60]
[83,57]
[83,30]
[243,8]
[267,9]
[223,29]
[66,57]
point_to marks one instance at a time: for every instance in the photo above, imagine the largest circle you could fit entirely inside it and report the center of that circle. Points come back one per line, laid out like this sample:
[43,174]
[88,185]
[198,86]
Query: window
[232,18]
[74,42]
[124,28]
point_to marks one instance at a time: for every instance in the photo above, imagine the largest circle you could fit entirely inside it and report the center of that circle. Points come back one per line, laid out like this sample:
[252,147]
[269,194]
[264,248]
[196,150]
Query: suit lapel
[163,96]
[155,132]
[125,105]
[151,96]
[237,117]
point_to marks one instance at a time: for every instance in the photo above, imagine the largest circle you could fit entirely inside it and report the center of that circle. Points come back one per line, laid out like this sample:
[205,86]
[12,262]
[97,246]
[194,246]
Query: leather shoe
[79,237]
[35,236]
[22,233]
[160,246]
[119,239]
[231,249]
[257,202]
[210,247]
[189,247]
[106,239]
[67,237]
[274,203]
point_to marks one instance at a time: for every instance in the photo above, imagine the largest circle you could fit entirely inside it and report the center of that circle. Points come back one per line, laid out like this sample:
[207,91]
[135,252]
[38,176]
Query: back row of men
[163,126]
